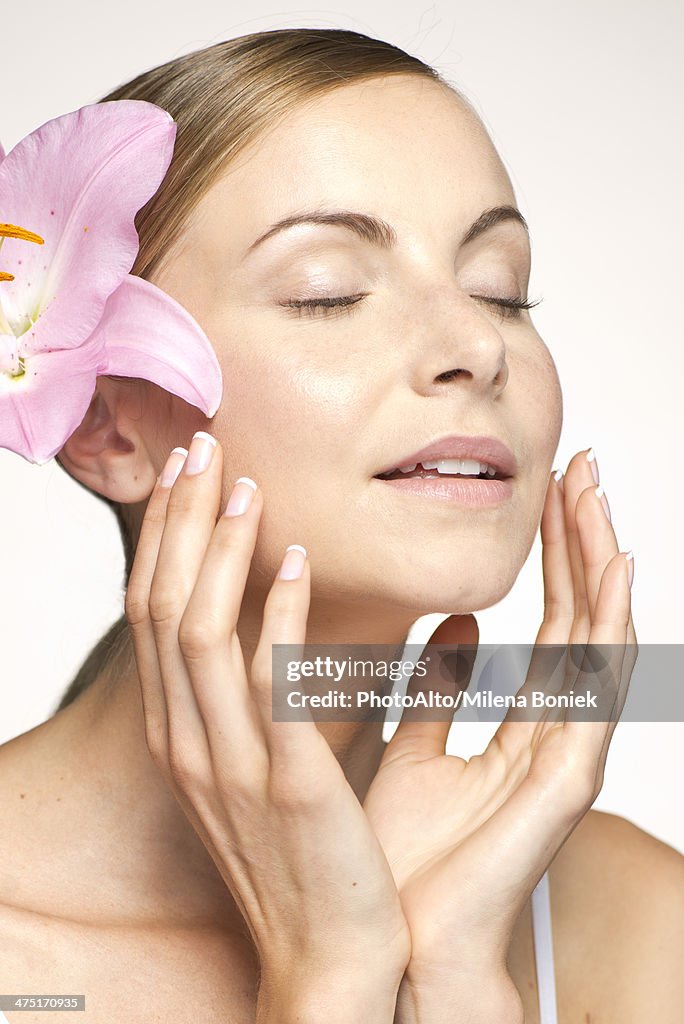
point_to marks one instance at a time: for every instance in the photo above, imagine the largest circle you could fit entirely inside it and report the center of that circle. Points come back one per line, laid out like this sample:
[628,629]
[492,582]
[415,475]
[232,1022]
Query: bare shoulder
[617,897]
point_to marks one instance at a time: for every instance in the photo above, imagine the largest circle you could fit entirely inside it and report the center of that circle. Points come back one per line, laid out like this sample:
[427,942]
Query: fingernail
[591,459]
[558,477]
[240,497]
[293,563]
[172,467]
[201,450]
[629,558]
[604,501]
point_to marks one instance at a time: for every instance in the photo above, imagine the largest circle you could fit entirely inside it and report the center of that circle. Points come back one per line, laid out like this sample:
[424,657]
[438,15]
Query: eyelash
[509,309]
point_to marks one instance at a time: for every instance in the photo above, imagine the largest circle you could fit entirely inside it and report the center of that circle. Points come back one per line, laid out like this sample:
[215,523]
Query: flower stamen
[13,231]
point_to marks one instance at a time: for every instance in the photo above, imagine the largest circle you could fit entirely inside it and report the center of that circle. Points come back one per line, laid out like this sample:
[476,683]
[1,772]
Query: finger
[546,669]
[138,612]
[582,472]
[208,633]
[423,731]
[598,544]
[559,596]
[190,517]
[549,670]
[610,673]
[293,746]
[597,540]
[578,477]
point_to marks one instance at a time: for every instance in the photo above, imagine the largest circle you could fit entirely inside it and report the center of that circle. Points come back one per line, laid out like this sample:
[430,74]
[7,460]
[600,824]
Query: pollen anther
[13,231]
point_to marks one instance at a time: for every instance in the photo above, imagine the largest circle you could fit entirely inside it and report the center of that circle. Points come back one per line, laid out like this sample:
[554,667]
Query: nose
[464,345]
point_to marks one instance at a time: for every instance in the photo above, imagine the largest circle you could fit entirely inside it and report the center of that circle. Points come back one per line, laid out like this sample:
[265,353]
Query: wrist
[458,994]
[314,994]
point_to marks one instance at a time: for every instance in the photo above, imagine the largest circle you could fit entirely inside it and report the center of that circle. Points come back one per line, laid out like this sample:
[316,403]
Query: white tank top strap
[543,951]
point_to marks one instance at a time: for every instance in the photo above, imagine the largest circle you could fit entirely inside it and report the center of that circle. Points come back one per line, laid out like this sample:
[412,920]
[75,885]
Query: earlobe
[106,452]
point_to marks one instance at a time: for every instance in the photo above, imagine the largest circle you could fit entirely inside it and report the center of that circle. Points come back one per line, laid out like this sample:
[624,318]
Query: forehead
[396,146]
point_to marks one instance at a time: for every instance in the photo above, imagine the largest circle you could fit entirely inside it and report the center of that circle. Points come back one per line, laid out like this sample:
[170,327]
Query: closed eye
[309,306]
[509,308]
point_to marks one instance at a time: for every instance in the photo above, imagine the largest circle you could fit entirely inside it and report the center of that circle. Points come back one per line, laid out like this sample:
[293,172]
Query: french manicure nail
[240,497]
[629,558]
[293,563]
[201,450]
[591,459]
[558,477]
[599,492]
[172,467]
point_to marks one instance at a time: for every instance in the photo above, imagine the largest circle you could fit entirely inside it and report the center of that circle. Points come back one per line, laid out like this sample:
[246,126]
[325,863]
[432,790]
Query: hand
[468,841]
[268,799]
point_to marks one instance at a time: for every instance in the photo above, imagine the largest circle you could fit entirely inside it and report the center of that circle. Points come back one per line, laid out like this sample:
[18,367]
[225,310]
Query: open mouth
[462,468]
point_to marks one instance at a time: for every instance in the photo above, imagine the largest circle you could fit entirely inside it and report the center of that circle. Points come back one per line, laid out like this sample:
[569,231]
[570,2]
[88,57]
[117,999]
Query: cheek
[283,421]
[289,407]
[543,403]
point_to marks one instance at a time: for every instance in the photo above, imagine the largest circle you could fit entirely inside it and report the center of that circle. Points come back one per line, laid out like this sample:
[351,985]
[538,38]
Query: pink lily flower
[69,309]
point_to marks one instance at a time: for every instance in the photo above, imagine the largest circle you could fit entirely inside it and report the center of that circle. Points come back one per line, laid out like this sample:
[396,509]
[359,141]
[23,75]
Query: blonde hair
[223,98]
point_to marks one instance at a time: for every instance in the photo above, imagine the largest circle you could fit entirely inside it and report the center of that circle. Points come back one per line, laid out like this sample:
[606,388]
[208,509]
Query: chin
[453,594]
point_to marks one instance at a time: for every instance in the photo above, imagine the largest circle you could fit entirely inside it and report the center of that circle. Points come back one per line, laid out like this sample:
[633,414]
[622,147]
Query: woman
[207,863]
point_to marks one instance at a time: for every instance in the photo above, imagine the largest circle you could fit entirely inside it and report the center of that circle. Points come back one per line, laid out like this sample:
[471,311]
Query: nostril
[450,374]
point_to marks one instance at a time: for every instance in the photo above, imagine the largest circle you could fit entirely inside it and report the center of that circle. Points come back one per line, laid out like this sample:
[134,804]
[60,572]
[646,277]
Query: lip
[459,490]
[458,446]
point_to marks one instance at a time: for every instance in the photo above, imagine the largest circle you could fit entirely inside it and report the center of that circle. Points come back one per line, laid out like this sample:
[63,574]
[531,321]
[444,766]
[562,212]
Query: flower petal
[146,333]
[78,182]
[42,409]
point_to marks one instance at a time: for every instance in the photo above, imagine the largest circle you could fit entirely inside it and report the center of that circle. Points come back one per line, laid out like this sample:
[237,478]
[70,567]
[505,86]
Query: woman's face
[317,402]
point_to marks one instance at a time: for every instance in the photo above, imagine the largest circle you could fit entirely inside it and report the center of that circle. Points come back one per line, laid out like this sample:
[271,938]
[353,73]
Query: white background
[583,101]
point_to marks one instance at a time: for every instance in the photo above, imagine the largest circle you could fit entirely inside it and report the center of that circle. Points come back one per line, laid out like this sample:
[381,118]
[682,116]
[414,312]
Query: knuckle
[293,794]
[136,606]
[197,636]
[186,504]
[186,767]
[236,532]
[163,608]
[558,612]
[155,513]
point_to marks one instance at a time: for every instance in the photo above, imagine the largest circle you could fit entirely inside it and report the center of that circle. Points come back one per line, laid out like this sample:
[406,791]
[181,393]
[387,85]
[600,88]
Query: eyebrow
[378,232]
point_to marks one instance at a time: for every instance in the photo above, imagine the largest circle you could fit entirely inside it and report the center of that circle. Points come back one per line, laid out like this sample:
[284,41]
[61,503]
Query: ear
[107,451]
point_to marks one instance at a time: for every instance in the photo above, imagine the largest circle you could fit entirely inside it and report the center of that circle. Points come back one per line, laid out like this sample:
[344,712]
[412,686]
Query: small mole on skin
[22,795]
[530,984]
[354,883]
[587,1019]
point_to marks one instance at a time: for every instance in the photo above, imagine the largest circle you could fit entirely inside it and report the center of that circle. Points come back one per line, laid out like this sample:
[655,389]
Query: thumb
[424,729]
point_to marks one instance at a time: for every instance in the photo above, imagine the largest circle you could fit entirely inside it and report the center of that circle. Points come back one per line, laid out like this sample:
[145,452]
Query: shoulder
[606,854]
[617,897]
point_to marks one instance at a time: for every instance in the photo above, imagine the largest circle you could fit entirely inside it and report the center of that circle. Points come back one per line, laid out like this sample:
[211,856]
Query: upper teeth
[465,467]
